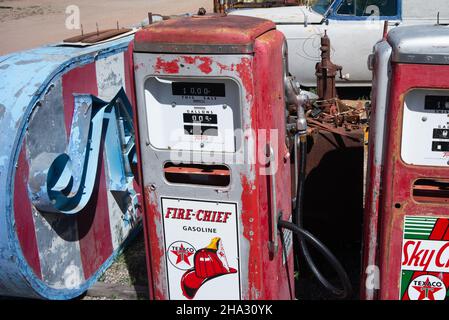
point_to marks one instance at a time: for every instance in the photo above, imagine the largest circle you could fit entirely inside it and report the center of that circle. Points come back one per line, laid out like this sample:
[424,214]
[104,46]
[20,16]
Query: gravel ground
[129,269]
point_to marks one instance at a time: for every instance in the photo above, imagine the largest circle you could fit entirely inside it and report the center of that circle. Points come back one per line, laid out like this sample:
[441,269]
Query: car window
[321,6]
[365,8]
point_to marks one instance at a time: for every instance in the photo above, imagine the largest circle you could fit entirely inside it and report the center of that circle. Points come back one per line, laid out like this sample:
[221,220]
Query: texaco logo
[427,287]
[180,254]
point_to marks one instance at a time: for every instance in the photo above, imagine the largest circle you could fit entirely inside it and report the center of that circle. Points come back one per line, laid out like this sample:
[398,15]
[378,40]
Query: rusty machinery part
[201,11]
[220,6]
[344,117]
[97,36]
[233,4]
[326,71]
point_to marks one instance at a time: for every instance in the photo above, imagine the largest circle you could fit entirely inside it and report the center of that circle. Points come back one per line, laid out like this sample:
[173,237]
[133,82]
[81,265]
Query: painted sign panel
[425,259]
[201,249]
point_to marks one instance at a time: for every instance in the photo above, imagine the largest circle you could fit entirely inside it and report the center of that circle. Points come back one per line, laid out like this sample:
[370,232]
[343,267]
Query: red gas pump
[407,218]
[211,139]
[215,147]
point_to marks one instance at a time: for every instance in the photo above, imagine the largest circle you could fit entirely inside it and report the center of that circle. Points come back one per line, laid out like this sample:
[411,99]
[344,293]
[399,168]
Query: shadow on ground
[333,212]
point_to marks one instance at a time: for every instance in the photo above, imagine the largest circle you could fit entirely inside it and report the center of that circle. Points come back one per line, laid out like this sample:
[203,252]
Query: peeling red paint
[156,257]
[204,66]
[264,276]
[245,73]
[224,67]
[23,215]
[171,67]
[398,178]
[189,59]
[251,224]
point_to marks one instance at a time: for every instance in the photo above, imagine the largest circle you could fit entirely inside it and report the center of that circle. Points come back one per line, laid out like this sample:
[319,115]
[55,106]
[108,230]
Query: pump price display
[200,124]
[198,89]
[200,118]
[437,103]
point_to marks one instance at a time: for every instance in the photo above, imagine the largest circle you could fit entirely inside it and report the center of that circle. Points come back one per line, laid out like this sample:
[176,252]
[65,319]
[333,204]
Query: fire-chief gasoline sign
[201,249]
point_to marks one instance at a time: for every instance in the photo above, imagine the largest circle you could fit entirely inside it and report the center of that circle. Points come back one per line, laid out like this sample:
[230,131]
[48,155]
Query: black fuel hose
[304,236]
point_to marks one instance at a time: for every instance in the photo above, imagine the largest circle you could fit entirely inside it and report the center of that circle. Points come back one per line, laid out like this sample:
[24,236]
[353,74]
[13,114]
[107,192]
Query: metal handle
[296,142]
[273,244]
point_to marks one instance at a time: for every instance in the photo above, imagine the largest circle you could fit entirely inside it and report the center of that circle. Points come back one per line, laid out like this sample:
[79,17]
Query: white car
[354,27]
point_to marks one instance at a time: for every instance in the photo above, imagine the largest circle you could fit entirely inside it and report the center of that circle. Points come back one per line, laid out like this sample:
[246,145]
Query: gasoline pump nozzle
[294,96]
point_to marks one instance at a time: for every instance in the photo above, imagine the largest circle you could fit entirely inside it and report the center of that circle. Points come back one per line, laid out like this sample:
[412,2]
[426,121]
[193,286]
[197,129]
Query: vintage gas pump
[407,218]
[212,127]
[216,153]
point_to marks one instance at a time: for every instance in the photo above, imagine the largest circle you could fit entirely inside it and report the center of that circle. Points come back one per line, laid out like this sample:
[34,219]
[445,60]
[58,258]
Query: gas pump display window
[200,125]
[199,89]
[192,114]
[425,129]
[437,103]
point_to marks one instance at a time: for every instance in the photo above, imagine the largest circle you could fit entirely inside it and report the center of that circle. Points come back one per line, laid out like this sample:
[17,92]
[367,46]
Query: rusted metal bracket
[97,36]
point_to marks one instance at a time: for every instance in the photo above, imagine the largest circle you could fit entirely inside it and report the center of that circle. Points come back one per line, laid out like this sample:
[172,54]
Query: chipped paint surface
[203,63]
[170,67]
[261,277]
[398,178]
[41,254]
[380,96]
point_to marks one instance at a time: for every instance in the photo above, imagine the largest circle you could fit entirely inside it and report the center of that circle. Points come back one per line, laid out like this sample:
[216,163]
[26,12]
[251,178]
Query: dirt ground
[26,24]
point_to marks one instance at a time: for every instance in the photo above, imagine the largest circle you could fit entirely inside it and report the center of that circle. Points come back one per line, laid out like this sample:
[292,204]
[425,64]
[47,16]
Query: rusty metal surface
[377,126]
[93,37]
[398,178]
[326,71]
[232,4]
[333,206]
[247,189]
[224,34]
[345,118]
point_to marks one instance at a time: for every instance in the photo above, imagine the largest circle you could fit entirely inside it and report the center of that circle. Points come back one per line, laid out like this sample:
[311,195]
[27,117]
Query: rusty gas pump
[215,159]
[406,250]
[212,207]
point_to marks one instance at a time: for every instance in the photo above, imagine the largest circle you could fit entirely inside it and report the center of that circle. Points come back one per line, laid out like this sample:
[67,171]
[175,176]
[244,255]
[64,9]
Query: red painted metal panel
[23,215]
[232,30]
[155,243]
[399,177]
[138,180]
[270,111]
[264,108]
[93,222]
[94,228]
[79,80]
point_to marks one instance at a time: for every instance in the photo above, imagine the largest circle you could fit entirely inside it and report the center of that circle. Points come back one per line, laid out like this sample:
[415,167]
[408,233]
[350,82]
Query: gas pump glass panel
[425,128]
[192,114]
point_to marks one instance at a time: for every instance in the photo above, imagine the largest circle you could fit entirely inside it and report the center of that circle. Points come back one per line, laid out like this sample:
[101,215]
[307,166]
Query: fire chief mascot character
[208,263]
